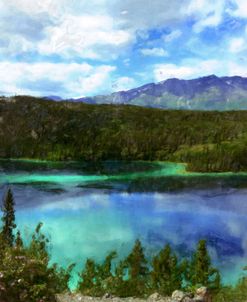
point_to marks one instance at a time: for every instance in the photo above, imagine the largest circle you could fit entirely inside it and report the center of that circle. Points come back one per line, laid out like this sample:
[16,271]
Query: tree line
[26,273]
[41,129]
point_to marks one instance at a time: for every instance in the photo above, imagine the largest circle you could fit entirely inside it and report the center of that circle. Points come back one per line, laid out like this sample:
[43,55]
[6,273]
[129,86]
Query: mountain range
[205,93]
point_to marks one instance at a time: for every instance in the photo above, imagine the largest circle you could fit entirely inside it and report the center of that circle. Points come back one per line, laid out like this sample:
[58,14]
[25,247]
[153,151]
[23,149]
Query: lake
[91,209]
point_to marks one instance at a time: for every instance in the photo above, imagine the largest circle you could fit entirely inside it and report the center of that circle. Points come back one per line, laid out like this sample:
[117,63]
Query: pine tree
[18,240]
[105,277]
[137,269]
[137,262]
[105,268]
[8,218]
[202,272]
[88,276]
[200,264]
[166,275]
[120,282]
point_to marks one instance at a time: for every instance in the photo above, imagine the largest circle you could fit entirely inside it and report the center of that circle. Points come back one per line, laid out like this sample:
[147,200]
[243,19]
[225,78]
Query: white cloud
[124,83]
[237,69]
[193,68]
[175,34]
[237,45]
[70,80]
[188,70]
[33,7]
[208,13]
[67,28]
[84,36]
[158,52]
[166,71]
[240,9]
[146,14]
[91,83]
[101,30]
[96,29]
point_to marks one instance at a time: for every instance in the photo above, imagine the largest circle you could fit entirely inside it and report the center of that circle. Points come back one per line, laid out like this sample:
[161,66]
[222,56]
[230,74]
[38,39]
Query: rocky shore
[202,295]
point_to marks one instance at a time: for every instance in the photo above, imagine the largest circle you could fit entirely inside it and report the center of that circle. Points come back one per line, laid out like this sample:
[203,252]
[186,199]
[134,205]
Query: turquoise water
[89,210]
[161,169]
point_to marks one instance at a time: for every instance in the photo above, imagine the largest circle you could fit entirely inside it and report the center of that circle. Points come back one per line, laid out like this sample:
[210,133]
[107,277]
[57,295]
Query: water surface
[91,209]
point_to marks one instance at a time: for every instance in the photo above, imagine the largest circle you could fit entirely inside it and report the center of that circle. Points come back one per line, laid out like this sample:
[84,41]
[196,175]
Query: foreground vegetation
[207,141]
[27,275]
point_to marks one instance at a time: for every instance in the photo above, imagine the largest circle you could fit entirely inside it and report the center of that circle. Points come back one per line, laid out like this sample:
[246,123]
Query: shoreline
[178,169]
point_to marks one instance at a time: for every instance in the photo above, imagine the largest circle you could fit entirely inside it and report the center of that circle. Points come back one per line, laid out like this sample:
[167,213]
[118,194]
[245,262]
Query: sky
[76,48]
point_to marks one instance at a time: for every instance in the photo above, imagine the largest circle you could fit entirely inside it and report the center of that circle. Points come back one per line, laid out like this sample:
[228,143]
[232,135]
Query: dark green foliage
[104,270]
[202,272]
[8,218]
[127,279]
[96,279]
[207,141]
[18,241]
[121,284]
[135,277]
[166,275]
[38,245]
[25,273]
[88,277]
[137,270]
[105,275]
[137,263]
[237,293]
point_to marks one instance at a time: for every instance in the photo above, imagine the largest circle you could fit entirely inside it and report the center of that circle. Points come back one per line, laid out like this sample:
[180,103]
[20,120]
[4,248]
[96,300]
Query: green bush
[25,273]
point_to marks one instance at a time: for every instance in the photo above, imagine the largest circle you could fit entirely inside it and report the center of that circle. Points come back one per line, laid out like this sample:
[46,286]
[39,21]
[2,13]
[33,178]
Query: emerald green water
[161,169]
[90,209]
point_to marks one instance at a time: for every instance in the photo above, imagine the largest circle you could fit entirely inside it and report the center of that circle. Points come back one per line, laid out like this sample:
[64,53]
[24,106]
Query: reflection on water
[88,212]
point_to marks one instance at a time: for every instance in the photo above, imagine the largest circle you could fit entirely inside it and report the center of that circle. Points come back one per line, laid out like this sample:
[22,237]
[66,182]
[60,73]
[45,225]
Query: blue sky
[75,48]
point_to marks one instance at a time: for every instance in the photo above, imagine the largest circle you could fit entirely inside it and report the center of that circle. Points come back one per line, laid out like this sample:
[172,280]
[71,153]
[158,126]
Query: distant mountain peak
[53,97]
[211,76]
[205,93]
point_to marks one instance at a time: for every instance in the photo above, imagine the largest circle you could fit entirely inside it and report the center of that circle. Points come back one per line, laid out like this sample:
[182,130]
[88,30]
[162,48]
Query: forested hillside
[43,129]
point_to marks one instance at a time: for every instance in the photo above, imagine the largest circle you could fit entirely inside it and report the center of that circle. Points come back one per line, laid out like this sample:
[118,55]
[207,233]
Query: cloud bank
[77,47]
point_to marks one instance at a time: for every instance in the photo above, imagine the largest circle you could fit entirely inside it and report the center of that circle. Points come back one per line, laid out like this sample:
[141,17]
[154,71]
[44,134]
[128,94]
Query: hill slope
[207,93]
[37,128]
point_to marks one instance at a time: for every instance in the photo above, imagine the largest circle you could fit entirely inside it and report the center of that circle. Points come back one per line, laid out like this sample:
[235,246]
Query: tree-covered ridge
[38,128]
